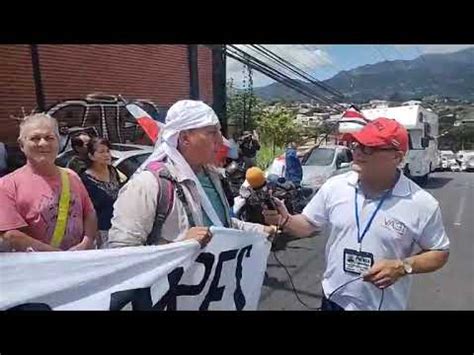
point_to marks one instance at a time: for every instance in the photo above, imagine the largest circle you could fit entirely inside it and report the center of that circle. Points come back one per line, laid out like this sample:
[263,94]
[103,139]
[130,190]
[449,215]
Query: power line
[327,100]
[339,70]
[329,62]
[262,57]
[247,59]
[296,61]
[273,73]
[281,61]
[302,73]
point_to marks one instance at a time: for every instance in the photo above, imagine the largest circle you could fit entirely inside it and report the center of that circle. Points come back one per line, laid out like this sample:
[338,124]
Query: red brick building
[40,75]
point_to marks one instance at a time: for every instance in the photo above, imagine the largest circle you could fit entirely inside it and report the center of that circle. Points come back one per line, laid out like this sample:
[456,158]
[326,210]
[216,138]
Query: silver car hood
[313,172]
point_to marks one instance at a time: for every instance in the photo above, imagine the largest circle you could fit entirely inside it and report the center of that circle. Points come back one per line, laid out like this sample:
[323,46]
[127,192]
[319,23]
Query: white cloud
[435,48]
[306,57]
[314,57]
[235,72]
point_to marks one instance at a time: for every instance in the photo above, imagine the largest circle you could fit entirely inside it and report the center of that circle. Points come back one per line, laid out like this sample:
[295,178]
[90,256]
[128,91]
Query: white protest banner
[226,275]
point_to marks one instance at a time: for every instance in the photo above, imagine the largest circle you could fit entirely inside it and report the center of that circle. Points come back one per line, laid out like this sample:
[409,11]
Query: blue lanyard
[359,236]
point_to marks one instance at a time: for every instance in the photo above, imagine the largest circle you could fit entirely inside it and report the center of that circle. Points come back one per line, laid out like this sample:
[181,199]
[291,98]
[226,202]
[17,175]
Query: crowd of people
[382,227]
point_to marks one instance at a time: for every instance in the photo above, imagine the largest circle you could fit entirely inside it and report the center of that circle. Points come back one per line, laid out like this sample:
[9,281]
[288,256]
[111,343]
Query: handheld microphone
[256,179]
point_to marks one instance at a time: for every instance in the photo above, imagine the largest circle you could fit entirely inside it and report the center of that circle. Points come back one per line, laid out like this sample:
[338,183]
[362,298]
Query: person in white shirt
[382,226]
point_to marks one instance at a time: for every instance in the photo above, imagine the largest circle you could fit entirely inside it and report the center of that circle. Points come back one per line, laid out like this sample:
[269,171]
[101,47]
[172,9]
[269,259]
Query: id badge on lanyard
[359,262]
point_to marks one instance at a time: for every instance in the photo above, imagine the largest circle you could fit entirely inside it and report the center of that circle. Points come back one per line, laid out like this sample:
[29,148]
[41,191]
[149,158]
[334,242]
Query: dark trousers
[328,305]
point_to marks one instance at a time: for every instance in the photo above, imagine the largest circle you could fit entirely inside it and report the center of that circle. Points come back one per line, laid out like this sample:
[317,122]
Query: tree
[463,137]
[315,132]
[243,107]
[277,127]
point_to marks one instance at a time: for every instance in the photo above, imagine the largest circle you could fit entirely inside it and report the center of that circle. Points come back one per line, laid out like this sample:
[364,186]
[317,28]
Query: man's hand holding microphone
[274,210]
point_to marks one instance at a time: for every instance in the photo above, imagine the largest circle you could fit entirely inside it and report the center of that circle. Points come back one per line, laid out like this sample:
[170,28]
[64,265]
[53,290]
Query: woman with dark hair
[103,183]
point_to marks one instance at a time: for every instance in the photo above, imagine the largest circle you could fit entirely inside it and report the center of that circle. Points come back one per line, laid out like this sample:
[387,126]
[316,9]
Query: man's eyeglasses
[368,150]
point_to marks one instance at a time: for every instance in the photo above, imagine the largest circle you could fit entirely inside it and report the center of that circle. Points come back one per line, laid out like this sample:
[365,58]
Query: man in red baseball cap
[383,227]
[382,132]
[378,149]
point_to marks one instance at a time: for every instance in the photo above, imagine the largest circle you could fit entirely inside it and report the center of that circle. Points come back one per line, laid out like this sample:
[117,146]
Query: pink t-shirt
[30,201]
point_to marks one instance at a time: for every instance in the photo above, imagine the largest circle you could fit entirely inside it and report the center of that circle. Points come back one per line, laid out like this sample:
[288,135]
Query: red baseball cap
[381,132]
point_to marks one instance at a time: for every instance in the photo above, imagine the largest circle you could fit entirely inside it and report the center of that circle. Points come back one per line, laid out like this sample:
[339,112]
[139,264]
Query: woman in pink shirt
[30,196]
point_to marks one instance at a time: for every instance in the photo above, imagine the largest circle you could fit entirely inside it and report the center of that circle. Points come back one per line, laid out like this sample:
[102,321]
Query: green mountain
[447,75]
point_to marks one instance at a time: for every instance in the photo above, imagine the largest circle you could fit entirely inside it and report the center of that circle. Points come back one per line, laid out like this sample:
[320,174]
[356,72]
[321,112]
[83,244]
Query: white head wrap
[184,115]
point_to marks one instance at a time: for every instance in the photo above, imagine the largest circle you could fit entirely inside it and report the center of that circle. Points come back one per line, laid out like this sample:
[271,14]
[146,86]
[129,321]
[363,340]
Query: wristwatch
[407,267]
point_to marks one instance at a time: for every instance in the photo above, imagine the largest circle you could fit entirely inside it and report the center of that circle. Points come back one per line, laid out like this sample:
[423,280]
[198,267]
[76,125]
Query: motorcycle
[235,175]
[235,168]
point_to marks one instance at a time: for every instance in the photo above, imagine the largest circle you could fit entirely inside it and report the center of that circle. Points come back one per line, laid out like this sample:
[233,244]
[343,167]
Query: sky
[325,61]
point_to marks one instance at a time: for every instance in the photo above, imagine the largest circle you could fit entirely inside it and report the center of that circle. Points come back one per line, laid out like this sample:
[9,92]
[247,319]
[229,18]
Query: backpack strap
[165,199]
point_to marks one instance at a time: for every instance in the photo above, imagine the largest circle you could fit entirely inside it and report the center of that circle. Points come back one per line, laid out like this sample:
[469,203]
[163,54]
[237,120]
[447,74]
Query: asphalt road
[451,288]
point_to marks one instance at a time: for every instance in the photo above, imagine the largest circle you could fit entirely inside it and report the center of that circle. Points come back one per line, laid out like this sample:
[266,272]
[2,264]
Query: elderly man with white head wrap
[186,147]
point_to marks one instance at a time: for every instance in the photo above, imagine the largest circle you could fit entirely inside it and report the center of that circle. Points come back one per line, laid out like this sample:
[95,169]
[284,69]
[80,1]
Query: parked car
[463,157]
[455,167]
[125,157]
[324,162]
[468,165]
[319,164]
[448,158]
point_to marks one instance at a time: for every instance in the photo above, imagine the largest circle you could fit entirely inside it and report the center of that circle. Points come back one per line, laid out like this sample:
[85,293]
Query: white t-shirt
[408,221]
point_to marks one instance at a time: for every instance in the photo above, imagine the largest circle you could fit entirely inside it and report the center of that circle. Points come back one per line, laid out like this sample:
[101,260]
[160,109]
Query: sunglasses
[369,150]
